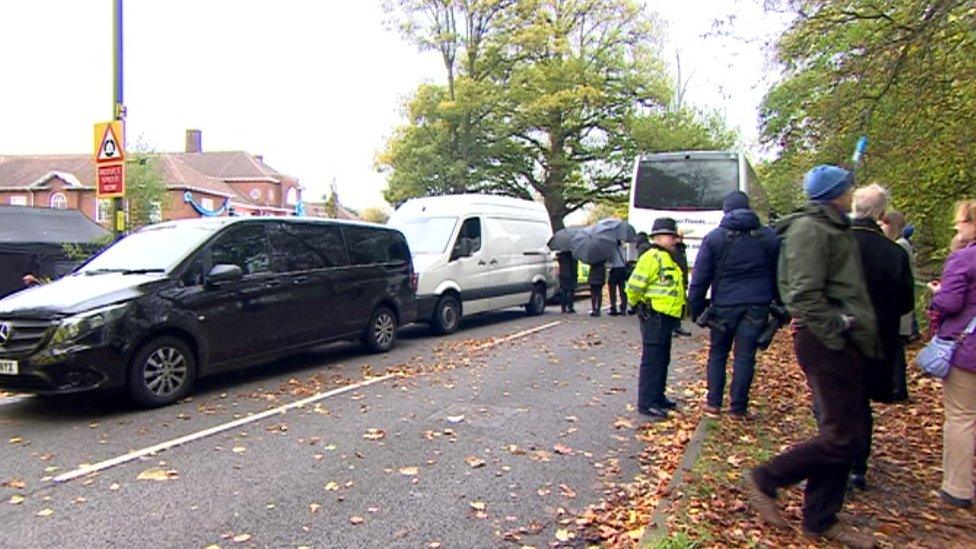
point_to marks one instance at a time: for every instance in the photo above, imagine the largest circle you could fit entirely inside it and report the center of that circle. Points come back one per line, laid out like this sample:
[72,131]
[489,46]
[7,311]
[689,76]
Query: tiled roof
[206,172]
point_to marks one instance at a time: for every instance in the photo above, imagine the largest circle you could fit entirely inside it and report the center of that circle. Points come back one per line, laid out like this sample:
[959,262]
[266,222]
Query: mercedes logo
[5,330]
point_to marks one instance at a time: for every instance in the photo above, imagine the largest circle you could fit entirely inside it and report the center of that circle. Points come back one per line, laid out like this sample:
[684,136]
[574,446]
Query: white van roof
[466,204]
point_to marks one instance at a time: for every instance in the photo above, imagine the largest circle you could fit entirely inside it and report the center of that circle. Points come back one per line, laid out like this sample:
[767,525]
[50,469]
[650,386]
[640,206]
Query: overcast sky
[314,86]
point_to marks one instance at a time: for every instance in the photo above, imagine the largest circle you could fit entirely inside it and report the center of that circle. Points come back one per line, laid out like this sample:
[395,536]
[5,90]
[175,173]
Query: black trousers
[836,379]
[656,333]
[618,280]
[596,297]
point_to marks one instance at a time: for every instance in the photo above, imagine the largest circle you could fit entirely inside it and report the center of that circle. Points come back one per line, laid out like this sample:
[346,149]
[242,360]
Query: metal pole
[118,104]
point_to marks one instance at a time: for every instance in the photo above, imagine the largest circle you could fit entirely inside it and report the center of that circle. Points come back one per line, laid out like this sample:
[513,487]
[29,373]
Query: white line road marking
[102,465]
[88,469]
[518,335]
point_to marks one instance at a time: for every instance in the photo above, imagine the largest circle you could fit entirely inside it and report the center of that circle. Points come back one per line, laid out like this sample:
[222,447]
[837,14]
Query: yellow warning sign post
[109,156]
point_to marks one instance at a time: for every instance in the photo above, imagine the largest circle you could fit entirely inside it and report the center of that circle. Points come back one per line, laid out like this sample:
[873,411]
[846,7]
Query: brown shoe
[712,410]
[847,536]
[764,505]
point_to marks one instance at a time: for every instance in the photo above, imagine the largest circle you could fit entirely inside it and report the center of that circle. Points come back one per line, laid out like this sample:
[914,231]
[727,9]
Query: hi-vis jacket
[657,281]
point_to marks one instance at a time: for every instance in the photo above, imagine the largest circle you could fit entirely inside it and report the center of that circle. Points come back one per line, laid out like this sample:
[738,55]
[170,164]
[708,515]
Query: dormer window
[59,201]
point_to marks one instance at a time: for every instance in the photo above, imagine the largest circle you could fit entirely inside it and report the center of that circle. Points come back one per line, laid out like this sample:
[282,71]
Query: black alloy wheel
[161,372]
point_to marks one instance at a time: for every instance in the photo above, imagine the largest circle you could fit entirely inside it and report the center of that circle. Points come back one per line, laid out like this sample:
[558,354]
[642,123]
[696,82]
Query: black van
[188,298]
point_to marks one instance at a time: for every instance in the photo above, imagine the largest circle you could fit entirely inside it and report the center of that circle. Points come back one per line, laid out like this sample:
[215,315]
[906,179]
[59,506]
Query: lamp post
[118,104]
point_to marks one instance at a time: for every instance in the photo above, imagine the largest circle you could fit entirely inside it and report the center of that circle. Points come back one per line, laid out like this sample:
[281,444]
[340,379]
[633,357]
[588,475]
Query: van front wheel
[447,315]
[162,372]
[537,301]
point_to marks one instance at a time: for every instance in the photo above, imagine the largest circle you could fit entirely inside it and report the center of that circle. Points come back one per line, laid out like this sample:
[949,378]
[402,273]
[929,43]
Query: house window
[18,200]
[206,203]
[271,195]
[292,197]
[103,210]
[59,201]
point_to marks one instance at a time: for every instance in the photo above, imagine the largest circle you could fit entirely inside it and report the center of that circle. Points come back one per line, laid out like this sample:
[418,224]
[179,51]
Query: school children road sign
[109,159]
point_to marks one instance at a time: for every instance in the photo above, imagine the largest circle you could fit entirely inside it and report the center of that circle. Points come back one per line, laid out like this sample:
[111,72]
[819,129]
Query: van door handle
[493,262]
[482,262]
[300,279]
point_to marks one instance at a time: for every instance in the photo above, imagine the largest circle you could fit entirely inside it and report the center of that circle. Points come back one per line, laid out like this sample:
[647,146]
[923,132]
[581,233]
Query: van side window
[194,274]
[307,246]
[470,232]
[246,247]
[368,245]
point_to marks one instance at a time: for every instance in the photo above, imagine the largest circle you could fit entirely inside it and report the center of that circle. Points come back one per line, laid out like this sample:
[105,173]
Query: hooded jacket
[956,303]
[748,274]
[821,279]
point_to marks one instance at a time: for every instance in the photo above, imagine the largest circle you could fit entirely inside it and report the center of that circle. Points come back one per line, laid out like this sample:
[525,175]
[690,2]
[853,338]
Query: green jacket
[821,279]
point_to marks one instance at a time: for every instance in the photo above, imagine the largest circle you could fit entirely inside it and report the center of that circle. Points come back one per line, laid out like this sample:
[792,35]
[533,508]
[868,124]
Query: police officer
[657,288]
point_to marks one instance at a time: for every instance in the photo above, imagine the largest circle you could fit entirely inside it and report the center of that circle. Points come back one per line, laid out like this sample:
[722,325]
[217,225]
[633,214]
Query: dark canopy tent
[32,241]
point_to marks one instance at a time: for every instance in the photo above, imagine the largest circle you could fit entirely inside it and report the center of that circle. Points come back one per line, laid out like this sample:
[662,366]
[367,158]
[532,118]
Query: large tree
[541,103]
[901,73]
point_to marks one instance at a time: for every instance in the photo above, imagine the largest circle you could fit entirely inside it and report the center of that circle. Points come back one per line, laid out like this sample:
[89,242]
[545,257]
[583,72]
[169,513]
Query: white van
[475,253]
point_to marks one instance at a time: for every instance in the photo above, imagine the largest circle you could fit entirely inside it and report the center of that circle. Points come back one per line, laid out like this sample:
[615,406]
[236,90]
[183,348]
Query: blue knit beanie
[826,182]
[735,200]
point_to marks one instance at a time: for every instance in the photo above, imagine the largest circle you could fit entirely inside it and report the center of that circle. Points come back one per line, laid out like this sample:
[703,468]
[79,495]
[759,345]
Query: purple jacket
[956,304]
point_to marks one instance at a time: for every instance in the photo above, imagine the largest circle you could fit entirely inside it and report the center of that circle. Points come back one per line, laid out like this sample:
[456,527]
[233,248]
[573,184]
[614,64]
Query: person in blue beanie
[822,284]
[738,262]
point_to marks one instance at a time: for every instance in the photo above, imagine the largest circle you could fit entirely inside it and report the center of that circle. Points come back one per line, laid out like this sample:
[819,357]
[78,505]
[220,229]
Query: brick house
[195,181]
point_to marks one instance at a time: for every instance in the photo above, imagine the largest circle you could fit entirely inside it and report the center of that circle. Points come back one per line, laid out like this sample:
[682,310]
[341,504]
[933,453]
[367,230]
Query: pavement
[482,441]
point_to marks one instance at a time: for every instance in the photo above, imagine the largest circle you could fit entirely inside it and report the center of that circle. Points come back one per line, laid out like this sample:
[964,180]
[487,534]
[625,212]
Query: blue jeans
[656,333]
[743,324]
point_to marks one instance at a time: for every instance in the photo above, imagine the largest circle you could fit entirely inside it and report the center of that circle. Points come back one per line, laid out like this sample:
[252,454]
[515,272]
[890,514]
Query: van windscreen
[153,249]
[426,235]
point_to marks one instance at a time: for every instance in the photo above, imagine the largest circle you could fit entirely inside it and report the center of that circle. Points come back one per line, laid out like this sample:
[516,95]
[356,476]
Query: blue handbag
[935,358]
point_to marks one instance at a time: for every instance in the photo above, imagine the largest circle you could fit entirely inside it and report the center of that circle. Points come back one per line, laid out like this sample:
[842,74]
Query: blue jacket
[749,274]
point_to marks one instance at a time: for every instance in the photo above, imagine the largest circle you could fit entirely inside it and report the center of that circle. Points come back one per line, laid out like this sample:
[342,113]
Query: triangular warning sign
[109,149]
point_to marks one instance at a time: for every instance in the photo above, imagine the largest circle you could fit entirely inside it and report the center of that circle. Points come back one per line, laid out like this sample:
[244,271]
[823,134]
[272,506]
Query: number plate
[8,367]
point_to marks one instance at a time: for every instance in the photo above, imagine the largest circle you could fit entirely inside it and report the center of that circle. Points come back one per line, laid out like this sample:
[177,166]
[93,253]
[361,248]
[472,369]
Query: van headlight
[81,325]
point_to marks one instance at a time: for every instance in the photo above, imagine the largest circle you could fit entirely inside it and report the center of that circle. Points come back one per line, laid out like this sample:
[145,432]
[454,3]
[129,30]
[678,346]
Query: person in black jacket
[597,278]
[738,261]
[888,273]
[567,280]
[681,258]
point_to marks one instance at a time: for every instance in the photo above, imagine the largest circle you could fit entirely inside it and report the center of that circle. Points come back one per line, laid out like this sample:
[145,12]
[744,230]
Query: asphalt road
[482,442]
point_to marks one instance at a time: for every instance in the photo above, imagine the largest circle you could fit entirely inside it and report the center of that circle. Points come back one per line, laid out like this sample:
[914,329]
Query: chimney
[194,141]
[259,158]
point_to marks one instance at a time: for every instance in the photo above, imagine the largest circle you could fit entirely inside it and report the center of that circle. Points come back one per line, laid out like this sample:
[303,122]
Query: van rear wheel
[537,301]
[161,372]
[447,315]
[381,331]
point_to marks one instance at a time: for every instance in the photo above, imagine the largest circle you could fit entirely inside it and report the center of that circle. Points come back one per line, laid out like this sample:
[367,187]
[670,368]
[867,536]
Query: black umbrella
[621,230]
[561,240]
[594,247]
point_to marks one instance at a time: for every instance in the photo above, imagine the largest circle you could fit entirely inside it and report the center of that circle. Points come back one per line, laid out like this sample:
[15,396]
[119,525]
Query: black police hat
[664,225]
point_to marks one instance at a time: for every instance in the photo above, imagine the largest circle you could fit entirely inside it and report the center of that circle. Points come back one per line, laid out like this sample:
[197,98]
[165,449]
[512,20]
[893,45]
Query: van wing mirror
[224,273]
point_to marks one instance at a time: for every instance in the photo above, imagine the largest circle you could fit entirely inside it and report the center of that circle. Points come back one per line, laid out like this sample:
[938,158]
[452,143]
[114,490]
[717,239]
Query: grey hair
[870,202]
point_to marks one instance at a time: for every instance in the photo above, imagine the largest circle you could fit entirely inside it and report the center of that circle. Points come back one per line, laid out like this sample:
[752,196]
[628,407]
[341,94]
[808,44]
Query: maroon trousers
[836,379]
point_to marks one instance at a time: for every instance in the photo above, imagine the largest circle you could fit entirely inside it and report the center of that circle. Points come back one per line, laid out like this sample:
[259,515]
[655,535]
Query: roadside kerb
[657,529]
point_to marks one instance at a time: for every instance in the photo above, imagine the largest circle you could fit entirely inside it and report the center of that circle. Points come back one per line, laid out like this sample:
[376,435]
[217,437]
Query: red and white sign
[110,159]
[111,180]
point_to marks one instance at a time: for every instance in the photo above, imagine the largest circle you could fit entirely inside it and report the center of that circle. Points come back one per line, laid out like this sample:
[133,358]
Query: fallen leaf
[409,471]
[45,512]
[455,419]
[374,434]
[158,475]
[564,535]
[16,499]
[314,508]
[356,520]
[16,484]
[564,450]
[114,486]
[474,462]
[16,440]
[239,450]
[241,538]
[331,486]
